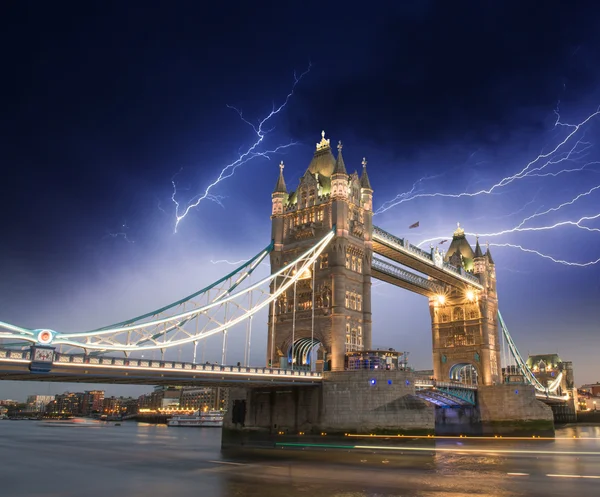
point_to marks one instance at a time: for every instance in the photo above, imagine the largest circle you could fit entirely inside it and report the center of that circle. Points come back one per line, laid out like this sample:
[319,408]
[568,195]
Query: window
[358,303]
[347,260]
[347,299]
[354,340]
[353,263]
[320,215]
[458,314]
[359,264]
[324,261]
[353,301]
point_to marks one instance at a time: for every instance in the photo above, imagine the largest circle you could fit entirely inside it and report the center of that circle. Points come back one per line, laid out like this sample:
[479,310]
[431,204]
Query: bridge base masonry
[373,403]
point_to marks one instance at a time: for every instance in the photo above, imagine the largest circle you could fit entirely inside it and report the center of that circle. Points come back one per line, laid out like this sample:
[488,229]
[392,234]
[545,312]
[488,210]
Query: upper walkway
[401,251]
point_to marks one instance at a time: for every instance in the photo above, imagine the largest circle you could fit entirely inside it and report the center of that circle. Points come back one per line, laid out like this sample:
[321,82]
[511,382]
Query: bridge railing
[395,271]
[154,364]
[404,246]
[443,384]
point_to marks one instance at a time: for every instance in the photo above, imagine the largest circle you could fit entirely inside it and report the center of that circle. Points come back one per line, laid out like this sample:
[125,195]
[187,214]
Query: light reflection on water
[100,459]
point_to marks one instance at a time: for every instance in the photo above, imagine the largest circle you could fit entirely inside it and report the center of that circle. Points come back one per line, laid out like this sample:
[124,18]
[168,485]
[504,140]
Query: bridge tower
[340,288]
[466,345]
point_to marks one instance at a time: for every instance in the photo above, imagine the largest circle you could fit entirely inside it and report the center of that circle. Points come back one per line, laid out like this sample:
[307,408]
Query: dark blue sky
[102,105]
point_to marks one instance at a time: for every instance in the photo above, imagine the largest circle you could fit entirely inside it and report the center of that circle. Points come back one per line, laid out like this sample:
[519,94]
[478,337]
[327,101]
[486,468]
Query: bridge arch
[304,352]
[464,372]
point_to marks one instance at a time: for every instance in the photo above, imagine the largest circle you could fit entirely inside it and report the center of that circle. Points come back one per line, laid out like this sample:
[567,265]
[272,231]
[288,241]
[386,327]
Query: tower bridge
[324,253]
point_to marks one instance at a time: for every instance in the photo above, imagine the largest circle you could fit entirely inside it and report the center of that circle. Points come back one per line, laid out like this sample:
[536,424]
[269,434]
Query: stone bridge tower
[465,321]
[326,196]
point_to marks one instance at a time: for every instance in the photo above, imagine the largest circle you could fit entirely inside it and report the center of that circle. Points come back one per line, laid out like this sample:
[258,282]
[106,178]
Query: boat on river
[199,419]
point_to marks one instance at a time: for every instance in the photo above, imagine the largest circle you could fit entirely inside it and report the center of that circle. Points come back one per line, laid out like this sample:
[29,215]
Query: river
[96,459]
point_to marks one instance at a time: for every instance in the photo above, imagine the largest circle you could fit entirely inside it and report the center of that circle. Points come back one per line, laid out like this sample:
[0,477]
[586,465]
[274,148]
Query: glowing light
[250,153]
[441,299]
[470,295]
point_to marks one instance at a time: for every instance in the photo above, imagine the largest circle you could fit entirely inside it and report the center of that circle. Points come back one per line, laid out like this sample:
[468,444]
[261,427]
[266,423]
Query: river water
[95,459]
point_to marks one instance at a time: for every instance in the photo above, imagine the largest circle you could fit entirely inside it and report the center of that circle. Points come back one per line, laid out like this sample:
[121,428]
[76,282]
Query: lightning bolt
[542,161]
[235,263]
[250,153]
[546,256]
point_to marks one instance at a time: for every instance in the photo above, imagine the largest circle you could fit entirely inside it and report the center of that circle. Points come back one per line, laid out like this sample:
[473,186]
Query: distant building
[119,406]
[164,397]
[66,404]
[547,368]
[93,402]
[592,388]
[204,398]
[38,403]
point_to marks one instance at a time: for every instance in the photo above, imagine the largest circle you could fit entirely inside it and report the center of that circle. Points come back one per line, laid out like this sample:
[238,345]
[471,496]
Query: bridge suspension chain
[520,366]
[161,330]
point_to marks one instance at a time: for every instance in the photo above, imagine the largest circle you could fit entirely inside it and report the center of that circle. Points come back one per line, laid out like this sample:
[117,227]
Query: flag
[442,242]
[416,225]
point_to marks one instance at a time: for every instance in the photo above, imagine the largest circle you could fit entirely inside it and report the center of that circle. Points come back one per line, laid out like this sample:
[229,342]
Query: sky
[107,108]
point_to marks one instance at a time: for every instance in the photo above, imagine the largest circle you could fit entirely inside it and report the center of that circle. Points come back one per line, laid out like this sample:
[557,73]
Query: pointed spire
[280,186]
[340,167]
[364,179]
[478,252]
[488,254]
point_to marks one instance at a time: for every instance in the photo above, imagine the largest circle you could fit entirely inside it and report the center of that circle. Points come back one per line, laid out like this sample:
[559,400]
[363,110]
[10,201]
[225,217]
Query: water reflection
[148,460]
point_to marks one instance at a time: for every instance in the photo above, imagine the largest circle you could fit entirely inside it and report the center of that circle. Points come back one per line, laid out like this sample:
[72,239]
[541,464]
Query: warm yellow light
[470,295]
[441,299]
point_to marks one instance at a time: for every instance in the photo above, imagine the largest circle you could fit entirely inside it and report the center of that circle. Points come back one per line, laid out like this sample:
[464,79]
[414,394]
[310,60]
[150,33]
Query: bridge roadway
[14,365]
[402,252]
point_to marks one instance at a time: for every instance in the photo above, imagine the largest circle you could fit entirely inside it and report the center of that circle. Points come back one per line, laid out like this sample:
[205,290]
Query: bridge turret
[340,322]
[465,321]
[279,199]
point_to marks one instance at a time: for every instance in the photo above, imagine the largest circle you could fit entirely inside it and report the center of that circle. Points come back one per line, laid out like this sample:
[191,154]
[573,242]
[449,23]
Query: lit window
[347,299]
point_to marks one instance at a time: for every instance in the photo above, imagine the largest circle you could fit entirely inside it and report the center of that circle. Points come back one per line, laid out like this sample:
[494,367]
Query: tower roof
[364,179]
[280,186]
[461,245]
[340,167]
[478,252]
[488,254]
[323,162]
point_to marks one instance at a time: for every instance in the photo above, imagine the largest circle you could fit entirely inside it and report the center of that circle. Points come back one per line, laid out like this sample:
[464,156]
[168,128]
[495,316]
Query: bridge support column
[513,409]
[357,402]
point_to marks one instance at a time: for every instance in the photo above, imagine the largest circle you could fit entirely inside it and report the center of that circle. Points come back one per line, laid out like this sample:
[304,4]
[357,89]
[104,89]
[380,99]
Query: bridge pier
[513,409]
[355,402]
[367,402]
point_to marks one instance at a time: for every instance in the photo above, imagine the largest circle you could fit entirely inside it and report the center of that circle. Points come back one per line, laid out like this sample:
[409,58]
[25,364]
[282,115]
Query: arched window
[458,314]
[444,318]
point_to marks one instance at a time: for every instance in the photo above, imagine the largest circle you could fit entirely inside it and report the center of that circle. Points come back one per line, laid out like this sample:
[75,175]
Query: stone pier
[374,402]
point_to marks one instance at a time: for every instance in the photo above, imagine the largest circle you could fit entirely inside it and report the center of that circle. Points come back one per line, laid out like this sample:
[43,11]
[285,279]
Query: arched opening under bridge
[464,373]
[304,354]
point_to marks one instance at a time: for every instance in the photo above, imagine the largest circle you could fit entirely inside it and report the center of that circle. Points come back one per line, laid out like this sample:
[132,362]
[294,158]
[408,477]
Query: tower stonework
[326,197]
[465,321]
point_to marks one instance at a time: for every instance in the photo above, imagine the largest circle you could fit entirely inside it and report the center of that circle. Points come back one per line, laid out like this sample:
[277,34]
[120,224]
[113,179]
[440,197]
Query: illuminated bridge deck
[401,251]
[14,365]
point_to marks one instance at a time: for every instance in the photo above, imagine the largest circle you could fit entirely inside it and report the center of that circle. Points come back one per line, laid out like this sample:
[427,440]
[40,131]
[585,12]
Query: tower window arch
[458,314]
